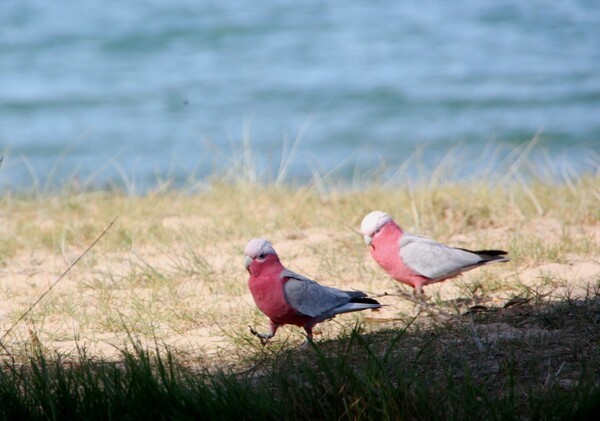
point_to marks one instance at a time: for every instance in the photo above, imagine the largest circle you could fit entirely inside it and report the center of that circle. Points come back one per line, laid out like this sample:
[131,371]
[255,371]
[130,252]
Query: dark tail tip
[487,253]
[492,256]
[491,252]
[364,300]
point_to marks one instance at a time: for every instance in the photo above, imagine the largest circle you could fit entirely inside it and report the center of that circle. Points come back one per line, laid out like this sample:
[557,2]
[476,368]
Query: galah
[418,261]
[286,297]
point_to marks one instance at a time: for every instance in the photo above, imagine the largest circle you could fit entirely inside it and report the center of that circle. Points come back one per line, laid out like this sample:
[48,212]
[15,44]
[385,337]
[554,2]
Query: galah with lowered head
[418,261]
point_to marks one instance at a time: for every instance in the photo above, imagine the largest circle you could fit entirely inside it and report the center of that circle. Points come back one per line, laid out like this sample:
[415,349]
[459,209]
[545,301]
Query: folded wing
[314,300]
[437,261]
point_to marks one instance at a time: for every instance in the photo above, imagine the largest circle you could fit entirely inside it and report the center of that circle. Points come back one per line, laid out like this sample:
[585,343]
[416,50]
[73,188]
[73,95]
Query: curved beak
[248,262]
[368,239]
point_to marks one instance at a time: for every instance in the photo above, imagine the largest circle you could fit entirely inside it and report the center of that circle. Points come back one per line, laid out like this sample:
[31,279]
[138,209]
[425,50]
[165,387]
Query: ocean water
[132,92]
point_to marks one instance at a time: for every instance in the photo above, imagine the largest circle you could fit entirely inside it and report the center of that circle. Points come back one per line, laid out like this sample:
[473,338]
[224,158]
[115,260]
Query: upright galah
[418,261]
[288,298]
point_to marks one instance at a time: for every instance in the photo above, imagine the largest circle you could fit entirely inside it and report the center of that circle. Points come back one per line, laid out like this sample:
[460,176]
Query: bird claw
[264,337]
[304,345]
[419,295]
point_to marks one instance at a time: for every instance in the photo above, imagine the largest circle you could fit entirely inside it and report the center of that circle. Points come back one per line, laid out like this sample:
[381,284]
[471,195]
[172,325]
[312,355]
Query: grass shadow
[538,360]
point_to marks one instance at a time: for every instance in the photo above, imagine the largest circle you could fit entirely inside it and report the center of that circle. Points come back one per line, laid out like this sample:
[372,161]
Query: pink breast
[267,292]
[385,249]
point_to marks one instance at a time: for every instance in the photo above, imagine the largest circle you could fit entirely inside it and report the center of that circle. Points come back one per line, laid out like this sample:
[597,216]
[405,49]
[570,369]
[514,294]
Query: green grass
[409,372]
[122,336]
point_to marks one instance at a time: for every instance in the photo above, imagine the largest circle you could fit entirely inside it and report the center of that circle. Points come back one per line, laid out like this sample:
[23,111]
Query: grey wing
[434,260]
[310,298]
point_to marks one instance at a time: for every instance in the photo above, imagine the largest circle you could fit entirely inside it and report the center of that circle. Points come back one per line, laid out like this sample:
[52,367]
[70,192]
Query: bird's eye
[261,256]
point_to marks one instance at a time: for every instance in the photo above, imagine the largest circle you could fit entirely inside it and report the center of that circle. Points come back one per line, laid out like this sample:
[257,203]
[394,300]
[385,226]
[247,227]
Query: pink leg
[272,329]
[418,292]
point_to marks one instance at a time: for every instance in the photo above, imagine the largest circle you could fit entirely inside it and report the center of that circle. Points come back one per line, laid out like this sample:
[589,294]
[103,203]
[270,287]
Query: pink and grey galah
[418,261]
[286,297]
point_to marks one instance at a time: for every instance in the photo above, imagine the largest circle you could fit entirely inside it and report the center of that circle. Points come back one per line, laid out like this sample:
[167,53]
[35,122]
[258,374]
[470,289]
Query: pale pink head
[258,250]
[372,223]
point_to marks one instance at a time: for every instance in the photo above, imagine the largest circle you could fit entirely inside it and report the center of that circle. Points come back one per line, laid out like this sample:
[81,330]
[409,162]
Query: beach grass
[153,320]
[409,371]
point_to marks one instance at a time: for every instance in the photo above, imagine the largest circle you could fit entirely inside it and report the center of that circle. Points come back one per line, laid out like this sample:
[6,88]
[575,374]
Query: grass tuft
[412,371]
[153,322]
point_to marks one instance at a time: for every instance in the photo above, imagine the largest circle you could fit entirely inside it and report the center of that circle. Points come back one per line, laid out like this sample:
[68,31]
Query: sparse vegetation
[154,320]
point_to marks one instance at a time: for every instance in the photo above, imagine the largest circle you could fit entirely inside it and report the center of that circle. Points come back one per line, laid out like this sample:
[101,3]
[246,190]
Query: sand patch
[194,296]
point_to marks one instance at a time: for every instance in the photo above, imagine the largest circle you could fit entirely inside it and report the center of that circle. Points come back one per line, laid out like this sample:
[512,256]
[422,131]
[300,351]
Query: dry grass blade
[67,270]
[171,273]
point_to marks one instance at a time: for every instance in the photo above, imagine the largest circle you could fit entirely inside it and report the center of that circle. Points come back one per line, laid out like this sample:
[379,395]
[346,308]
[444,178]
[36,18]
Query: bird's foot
[304,345]
[264,337]
[309,337]
[419,295]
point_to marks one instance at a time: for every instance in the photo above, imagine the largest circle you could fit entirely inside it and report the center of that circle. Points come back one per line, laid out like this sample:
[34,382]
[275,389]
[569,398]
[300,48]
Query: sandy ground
[209,314]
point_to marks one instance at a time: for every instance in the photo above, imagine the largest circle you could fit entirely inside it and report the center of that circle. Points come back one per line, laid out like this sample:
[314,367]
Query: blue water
[152,89]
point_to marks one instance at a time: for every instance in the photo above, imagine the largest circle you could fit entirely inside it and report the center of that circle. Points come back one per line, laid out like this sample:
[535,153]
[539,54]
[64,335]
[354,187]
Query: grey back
[432,259]
[311,299]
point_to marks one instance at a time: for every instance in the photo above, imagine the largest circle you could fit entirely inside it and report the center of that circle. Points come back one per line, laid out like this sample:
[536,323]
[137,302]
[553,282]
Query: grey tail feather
[364,300]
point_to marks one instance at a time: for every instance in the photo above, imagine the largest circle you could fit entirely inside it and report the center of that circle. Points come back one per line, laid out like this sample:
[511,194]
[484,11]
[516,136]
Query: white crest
[373,222]
[258,246]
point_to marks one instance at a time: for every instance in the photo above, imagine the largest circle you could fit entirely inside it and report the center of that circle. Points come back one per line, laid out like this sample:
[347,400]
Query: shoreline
[502,163]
